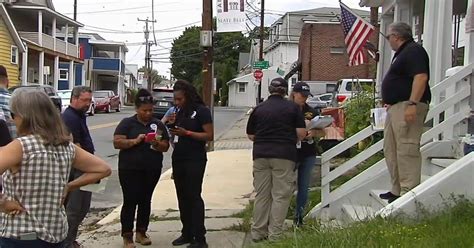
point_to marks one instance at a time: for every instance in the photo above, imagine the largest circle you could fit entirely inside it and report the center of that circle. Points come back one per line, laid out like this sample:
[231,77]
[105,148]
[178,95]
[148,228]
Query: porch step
[443,162]
[358,212]
[375,195]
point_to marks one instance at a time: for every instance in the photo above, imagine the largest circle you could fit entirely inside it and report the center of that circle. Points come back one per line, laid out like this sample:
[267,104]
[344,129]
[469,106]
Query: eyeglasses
[388,36]
[146,98]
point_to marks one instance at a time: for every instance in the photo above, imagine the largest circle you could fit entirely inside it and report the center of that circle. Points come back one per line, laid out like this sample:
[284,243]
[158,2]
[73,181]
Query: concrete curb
[227,130]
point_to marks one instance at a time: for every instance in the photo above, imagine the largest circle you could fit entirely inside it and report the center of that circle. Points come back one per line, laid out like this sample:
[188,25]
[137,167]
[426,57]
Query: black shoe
[388,195]
[298,222]
[181,241]
[393,199]
[198,244]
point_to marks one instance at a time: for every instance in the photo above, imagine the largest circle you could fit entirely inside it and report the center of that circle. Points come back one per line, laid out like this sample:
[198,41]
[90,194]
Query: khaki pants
[274,181]
[402,147]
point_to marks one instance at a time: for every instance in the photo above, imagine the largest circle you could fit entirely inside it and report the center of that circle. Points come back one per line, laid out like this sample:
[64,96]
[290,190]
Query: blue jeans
[38,243]
[305,167]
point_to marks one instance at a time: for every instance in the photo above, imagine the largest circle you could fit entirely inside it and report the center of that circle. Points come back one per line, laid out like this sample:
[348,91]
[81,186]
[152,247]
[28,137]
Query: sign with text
[231,16]
[258,74]
[261,64]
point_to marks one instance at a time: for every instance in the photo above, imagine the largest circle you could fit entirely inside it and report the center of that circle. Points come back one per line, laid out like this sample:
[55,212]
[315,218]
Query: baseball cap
[302,88]
[3,71]
[279,82]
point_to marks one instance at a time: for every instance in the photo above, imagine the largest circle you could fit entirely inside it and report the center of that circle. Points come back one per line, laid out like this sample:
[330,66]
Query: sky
[117,20]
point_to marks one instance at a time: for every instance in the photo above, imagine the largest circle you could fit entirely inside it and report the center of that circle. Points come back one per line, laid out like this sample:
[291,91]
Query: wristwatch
[411,103]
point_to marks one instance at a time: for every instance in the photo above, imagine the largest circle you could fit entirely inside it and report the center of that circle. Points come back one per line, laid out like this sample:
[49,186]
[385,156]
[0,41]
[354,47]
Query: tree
[186,56]
[156,79]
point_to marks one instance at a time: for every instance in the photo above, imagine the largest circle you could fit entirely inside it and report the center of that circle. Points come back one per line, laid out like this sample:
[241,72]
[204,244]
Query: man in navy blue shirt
[78,203]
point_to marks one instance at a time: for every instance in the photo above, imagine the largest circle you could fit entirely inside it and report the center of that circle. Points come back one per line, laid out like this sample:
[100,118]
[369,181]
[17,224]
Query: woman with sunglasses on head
[192,129]
[35,169]
[142,139]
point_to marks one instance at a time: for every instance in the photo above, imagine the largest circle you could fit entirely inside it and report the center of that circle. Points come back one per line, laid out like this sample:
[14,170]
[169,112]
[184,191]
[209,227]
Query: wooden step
[358,212]
[443,162]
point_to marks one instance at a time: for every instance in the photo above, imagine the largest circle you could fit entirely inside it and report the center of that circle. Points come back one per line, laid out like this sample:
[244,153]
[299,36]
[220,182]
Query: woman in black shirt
[192,128]
[140,164]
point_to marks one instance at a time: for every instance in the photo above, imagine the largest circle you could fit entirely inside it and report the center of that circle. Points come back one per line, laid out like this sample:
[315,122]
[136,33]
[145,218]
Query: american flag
[356,32]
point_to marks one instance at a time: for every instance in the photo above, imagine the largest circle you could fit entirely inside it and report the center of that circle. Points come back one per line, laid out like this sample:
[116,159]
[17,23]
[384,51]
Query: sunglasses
[146,98]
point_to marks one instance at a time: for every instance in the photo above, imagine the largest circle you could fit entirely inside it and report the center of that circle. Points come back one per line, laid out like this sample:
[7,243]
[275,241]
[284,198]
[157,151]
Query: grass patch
[246,216]
[154,218]
[449,227]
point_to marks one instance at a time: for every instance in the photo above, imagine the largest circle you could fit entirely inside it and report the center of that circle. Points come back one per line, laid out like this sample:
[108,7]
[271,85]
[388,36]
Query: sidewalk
[227,185]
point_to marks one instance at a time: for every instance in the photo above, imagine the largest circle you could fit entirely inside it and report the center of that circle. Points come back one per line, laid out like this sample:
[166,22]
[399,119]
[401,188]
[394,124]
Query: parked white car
[66,100]
[346,88]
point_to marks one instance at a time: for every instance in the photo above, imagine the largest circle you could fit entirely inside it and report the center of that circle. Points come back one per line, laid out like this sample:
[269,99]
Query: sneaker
[388,195]
[198,244]
[298,222]
[181,241]
[393,199]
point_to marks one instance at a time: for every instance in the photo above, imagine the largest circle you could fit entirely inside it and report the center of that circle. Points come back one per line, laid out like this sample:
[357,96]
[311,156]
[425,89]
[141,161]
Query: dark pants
[188,176]
[137,189]
[77,206]
[38,243]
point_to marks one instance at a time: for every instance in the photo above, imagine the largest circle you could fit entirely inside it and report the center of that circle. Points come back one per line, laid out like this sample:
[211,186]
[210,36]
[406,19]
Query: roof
[327,11]
[11,29]
[91,35]
[60,17]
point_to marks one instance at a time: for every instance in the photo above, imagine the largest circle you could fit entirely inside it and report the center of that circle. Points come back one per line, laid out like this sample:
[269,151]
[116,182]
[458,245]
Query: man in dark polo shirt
[275,126]
[406,93]
[78,201]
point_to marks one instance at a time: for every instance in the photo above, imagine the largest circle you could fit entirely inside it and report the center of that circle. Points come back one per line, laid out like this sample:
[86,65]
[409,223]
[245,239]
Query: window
[14,55]
[337,50]
[241,87]
[63,74]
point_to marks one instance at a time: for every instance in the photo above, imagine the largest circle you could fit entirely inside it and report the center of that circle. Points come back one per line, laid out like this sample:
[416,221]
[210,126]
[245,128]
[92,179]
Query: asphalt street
[102,127]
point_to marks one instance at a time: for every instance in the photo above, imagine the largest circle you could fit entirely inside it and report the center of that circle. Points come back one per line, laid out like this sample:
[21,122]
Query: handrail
[459,96]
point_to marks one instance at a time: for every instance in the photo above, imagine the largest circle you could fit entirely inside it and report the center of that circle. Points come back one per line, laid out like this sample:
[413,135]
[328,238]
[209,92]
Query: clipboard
[377,118]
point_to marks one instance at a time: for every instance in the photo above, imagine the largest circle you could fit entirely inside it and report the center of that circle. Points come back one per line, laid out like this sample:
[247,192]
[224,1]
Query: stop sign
[258,74]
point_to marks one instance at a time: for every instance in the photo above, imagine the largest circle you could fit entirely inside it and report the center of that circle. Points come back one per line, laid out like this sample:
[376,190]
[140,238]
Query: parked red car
[106,100]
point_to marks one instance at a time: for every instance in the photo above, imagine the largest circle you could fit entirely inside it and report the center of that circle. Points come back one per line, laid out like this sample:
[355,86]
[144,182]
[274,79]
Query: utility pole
[207,60]
[260,55]
[75,10]
[147,52]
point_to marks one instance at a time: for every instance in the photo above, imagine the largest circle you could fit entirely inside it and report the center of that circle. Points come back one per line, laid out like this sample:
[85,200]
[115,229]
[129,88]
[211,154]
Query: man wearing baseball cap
[275,126]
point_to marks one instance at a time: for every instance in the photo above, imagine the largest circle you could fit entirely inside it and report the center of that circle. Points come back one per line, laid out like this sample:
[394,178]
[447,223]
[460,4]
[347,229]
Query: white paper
[96,187]
[378,116]
[320,122]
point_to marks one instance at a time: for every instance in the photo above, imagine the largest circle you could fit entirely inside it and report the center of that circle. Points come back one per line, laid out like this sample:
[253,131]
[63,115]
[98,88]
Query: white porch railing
[459,100]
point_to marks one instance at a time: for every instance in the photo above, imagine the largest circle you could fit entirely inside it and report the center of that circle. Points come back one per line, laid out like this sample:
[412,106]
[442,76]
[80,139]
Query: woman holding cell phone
[142,140]
[192,128]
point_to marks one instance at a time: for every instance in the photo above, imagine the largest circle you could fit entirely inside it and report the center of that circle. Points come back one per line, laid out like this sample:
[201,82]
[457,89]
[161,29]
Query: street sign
[258,74]
[261,64]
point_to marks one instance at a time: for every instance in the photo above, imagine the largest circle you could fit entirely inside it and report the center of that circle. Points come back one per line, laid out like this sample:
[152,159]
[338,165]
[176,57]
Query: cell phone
[28,236]
[150,137]
[170,125]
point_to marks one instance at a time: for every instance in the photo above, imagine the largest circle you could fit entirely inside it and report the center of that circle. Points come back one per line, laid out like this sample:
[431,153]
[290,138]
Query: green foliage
[186,57]
[357,111]
[156,79]
[450,227]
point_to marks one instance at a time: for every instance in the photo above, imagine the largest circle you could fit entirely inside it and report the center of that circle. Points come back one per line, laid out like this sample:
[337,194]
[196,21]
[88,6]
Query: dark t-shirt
[188,148]
[308,147]
[274,123]
[141,156]
[77,125]
[5,137]
[410,59]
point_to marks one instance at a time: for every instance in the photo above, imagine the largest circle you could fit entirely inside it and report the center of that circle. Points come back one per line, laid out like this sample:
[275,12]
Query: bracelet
[188,133]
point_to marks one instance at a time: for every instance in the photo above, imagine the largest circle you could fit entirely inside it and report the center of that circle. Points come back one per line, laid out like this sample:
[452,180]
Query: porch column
[403,11]
[56,73]
[437,38]
[40,28]
[24,67]
[66,34]
[54,33]
[41,68]
[468,59]
[71,74]
[386,52]
[76,35]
